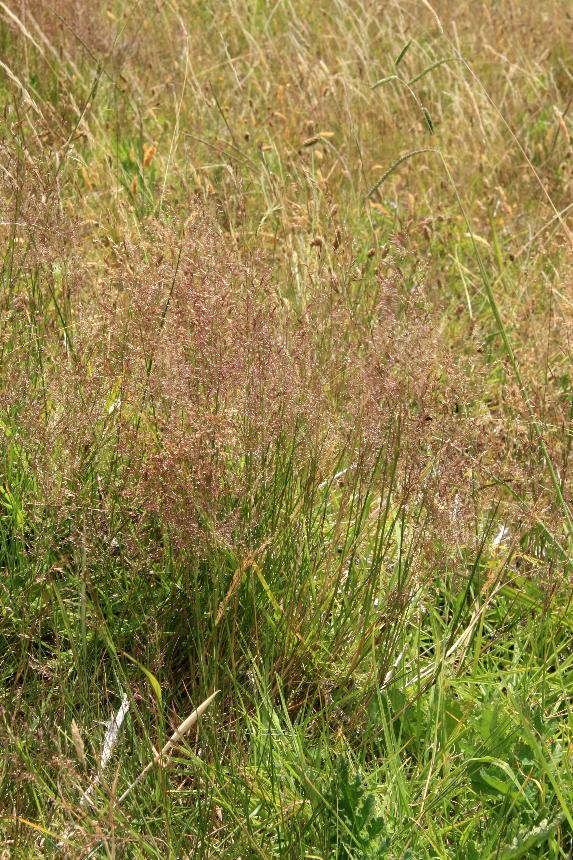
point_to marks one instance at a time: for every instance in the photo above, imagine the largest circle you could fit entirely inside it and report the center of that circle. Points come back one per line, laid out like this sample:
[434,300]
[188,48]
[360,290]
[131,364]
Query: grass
[285,410]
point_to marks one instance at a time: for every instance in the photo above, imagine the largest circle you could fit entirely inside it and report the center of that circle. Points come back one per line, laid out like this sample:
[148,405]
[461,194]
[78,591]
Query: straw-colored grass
[285,411]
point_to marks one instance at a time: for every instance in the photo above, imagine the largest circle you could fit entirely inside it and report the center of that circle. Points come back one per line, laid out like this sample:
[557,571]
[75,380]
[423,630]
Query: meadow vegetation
[285,413]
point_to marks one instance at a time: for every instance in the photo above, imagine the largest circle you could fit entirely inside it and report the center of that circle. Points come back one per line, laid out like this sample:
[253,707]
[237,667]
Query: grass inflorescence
[285,413]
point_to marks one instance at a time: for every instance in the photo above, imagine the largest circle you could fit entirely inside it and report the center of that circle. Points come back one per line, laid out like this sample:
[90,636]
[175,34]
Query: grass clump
[285,409]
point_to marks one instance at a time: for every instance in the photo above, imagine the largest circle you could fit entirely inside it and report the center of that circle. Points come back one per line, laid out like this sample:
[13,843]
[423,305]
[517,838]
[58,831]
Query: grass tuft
[285,412]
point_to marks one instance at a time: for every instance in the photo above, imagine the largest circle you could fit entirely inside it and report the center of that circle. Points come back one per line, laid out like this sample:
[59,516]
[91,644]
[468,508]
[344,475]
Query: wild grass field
[285,413]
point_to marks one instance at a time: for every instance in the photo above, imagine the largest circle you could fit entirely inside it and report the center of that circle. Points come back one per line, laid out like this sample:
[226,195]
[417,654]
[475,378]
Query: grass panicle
[285,412]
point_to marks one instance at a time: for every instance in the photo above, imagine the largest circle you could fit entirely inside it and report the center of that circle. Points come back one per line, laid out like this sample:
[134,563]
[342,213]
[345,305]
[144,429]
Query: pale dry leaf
[78,744]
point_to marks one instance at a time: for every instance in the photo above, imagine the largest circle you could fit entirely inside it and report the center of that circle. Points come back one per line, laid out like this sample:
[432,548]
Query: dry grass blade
[112,732]
[177,735]
[282,393]
[246,563]
[20,25]
[235,582]
[459,647]
[109,743]
[25,93]
[78,743]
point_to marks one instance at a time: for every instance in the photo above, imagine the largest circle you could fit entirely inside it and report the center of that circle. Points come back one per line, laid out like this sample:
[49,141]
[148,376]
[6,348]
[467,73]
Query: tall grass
[285,412]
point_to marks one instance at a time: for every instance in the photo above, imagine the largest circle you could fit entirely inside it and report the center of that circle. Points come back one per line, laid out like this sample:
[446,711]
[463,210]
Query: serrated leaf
[360,831]
[534,838]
